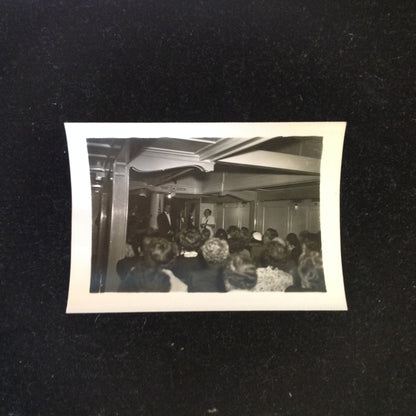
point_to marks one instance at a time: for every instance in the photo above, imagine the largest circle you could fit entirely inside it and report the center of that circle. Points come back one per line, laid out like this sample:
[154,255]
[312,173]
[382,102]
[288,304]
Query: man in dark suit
[164,222]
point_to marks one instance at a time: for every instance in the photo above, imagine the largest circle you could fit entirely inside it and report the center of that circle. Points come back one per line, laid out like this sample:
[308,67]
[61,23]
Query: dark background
[206,61]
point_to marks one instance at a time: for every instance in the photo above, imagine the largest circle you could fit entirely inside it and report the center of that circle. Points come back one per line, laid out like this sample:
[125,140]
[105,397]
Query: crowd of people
[197,260]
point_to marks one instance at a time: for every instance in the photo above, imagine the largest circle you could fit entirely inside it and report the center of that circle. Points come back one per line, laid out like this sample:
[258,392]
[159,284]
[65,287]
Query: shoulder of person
[176,285]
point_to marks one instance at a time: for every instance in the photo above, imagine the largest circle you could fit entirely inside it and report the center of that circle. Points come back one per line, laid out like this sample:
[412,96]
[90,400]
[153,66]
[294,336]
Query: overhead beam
[248,181]
[152,159]
[244,195]
[307,191]
[228,146]
[170,176]
[274,160]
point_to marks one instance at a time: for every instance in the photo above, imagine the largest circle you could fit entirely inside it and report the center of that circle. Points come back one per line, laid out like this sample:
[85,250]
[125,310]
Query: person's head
[256,237]
[236,244]
[275,253]
[269,235]
[190,240]
[205,234]
[240,273]
[207,212]
[311,272]
[233,231]
[215,251]
[245,233]
[160,252]
[221,234]
[311,243]
[167,208]
[292,241]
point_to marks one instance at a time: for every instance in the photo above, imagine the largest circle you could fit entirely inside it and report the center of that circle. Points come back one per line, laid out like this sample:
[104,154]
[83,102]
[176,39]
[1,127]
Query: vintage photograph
[207,214]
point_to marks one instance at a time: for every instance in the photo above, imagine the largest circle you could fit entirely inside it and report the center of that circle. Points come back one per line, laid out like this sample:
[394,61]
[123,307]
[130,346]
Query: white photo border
[80,300]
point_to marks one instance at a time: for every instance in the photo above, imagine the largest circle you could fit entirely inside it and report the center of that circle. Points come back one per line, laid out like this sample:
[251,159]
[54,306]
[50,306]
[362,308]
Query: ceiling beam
[152,159]
[274,160]
[169,176]
[228,146]
[232,182]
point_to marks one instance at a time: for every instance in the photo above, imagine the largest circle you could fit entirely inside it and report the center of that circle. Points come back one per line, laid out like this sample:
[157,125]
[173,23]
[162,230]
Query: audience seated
[149,275]
[210,278]
[233,231]
[311,274]
[294,247]
[221,234]
[238,245]
[124,266]
[205,234]
[269,235]
[311,243]
[240,273]
[190,259]
[276,254]
[272,277]
[256,246]
[245,234]
[226,262]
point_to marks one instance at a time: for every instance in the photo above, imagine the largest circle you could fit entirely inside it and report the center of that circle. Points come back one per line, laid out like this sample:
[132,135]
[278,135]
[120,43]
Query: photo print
[205,216]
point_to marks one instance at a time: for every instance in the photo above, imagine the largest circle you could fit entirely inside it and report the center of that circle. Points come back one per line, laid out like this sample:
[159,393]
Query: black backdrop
[208,61]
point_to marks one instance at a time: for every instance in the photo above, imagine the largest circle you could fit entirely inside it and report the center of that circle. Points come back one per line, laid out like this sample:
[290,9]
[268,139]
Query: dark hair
[221,234]
[236,244]
[293,240]
[233,231]
[209,211]
[190,240]
[160,252]
[205,234]
[240,273]
[270,233]
[311,272]
[312,242]
[245,233]
[275,253]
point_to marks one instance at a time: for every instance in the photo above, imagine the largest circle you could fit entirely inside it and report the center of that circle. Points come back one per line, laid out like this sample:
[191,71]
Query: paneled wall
[288,216]
[237,213]
[285,216]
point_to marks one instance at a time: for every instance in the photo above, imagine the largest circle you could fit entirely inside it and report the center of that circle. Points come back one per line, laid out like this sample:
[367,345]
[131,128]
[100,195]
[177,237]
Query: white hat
[257,236]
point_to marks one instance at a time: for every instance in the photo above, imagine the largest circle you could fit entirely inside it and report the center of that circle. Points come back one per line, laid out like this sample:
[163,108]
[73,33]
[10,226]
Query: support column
[156,207]
[119,213]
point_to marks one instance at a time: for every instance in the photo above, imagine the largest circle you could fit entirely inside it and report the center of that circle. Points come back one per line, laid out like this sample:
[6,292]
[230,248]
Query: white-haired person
[210,278]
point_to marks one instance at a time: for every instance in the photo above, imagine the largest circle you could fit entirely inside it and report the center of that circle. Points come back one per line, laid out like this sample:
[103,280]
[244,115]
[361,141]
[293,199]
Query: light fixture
[172,192]
[295,205]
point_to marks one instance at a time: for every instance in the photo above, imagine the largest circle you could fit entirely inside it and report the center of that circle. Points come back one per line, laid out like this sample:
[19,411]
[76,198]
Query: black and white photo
[213,216]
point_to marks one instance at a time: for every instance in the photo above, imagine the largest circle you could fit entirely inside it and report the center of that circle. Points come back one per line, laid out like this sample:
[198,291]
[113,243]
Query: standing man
[164,222]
